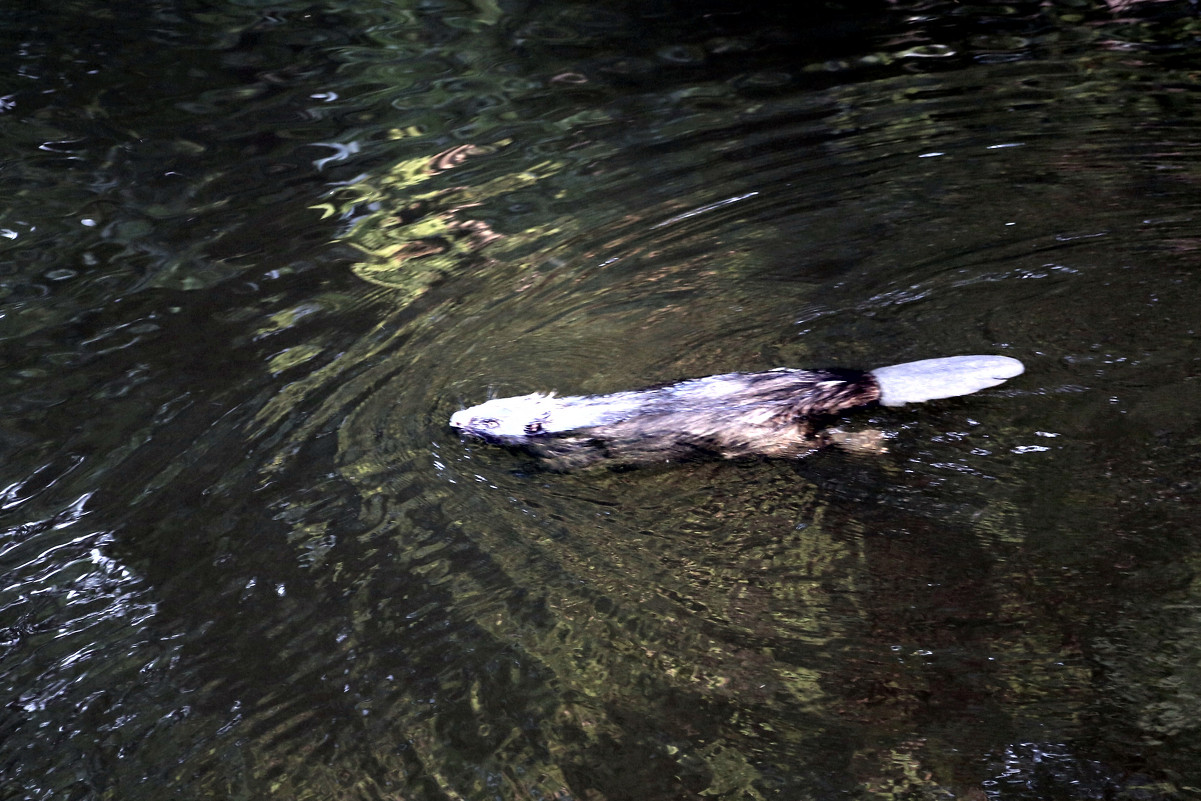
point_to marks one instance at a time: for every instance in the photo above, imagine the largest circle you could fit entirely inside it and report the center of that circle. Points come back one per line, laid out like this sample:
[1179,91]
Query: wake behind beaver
[777,413]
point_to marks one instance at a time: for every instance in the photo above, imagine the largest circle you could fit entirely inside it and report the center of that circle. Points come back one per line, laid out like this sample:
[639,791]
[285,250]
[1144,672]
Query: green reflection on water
[330,596]
[415,237]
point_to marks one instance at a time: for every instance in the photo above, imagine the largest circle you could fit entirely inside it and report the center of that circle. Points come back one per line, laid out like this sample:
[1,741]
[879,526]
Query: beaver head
[506,420]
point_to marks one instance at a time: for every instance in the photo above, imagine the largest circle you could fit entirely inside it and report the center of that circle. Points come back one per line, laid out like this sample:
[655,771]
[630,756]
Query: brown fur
[774,414]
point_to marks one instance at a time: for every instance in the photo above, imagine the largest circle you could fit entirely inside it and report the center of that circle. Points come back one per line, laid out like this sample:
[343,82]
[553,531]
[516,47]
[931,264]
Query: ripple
[245,550]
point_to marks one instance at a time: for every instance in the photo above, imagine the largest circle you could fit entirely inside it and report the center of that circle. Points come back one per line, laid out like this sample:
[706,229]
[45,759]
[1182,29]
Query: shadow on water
[254,258]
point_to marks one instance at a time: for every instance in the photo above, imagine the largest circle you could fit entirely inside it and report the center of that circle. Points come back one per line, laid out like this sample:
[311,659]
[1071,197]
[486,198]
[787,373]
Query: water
[254,257]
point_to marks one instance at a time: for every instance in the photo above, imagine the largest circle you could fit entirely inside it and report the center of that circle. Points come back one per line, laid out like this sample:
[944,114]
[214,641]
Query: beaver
[777,413]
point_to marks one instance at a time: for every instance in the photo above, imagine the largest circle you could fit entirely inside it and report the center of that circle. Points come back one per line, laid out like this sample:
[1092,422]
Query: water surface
[254,257]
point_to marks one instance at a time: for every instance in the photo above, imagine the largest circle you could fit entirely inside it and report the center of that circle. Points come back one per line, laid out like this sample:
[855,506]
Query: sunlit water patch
[245,555]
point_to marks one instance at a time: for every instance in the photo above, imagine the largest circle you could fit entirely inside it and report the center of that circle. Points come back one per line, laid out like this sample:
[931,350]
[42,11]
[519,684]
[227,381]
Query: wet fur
[774,414]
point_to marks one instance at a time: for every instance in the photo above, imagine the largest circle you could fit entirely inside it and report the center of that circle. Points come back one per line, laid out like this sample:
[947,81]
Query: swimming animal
[777,413]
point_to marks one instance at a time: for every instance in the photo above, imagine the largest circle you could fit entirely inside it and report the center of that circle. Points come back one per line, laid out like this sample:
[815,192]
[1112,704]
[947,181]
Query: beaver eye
[533,428]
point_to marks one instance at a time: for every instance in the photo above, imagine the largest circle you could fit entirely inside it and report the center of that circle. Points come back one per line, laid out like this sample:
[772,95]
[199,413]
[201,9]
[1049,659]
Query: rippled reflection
[255,257]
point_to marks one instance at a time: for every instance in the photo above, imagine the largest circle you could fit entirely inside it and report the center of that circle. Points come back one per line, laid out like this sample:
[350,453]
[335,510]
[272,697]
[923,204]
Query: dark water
[255,254]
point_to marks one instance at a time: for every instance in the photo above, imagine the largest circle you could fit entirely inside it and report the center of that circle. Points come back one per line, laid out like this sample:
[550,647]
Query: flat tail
[930,379]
